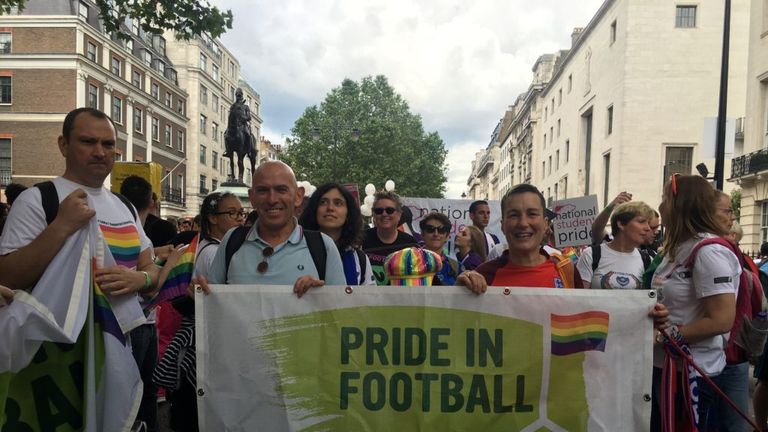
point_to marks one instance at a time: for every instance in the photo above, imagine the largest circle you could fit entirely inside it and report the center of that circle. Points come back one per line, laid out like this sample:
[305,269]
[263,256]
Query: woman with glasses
[470,247]
[384,238]
[219,213]
[435,230]
[333,211]
[699,295]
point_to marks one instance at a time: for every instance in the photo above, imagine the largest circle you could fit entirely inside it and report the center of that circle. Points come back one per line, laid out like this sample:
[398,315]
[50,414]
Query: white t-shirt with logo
[716,270]
[616,270]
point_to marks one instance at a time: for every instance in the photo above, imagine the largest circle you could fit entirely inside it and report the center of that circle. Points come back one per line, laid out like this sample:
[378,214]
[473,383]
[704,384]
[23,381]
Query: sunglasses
[381,210]
[429,229]
[264,265]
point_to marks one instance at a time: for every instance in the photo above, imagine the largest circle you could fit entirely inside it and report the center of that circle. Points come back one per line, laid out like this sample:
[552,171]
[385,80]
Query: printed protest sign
[433,358]
[573,224]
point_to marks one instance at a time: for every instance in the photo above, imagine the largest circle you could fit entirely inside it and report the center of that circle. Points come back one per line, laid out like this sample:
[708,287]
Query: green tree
[392,142]
[186,17]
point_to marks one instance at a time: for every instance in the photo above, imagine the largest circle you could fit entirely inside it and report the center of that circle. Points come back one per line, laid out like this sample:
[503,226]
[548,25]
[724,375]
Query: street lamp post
[336,130]
[723,103]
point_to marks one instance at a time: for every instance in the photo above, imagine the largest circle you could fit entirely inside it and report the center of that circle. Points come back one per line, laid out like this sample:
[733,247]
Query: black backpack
[596,252]
[314,243]
[50,200]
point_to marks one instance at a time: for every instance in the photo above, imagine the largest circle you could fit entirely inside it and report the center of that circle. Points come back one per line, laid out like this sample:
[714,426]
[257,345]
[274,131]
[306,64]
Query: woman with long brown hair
[470,247]
[699,293]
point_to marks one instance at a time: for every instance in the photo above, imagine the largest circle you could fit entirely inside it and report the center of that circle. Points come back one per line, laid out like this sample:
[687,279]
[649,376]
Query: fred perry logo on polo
[723,279]
[300,267]
[558,283]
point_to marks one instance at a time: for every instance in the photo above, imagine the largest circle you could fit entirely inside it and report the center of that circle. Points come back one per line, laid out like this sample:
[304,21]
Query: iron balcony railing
[173,195]
[750,163]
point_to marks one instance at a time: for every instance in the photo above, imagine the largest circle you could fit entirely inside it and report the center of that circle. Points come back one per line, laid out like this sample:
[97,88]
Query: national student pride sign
[427,358]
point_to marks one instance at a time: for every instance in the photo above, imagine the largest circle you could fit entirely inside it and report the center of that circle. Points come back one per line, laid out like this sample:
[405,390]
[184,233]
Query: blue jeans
[734,382]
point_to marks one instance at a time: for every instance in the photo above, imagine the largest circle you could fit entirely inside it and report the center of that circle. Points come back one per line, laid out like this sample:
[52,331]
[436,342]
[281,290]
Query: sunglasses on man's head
[381,210]
[429,229]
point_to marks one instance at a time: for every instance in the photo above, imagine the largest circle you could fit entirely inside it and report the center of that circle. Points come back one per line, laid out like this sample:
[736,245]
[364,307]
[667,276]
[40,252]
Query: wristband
[147,282]
[674,334]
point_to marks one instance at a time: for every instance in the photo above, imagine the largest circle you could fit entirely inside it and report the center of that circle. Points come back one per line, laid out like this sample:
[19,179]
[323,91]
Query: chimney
[577,31]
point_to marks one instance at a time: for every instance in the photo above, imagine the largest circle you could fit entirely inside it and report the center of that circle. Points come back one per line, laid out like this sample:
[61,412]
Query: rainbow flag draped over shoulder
[586,331]
[179,277]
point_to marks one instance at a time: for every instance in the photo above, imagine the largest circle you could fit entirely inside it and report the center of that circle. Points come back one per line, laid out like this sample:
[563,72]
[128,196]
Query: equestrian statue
[238,139]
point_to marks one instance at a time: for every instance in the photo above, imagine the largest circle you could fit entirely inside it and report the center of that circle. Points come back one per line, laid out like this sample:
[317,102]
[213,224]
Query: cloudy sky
[458,63]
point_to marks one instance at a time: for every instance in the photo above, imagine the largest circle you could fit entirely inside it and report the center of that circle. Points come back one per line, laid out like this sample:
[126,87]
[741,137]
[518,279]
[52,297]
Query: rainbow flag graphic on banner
[179,277]
[586,331]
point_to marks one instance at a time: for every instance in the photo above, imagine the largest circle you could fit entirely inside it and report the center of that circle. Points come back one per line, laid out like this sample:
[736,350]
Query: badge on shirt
[558,283]
[723,279]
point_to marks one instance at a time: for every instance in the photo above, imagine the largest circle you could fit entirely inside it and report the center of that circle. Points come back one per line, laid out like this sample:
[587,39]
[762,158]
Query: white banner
[432,358]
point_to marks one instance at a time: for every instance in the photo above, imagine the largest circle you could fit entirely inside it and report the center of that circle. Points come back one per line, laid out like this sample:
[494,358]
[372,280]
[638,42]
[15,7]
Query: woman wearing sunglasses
[219,213]
[384,238]
[333,211]
[699,296]
[435,230]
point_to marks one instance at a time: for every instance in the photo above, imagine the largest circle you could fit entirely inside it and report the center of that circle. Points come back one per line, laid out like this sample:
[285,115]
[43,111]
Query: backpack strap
[50,200]
[362,261]
[127,204]
[234,242]
[596,252]
[317,250]
[712,240]
[646,259]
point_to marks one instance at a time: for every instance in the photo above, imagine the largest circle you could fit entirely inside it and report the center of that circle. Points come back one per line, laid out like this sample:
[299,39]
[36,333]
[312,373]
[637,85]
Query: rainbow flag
[586,331]
[571,253]
[102,310]
[179,277]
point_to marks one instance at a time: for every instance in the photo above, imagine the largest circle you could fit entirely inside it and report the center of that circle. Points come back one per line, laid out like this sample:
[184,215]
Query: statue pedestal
[238,189]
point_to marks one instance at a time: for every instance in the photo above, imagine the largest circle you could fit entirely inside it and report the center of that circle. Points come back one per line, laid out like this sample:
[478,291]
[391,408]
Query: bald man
[275,250]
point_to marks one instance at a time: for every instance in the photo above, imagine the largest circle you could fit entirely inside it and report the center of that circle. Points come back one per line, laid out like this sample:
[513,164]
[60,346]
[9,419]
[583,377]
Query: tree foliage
[186,17]
[392,143]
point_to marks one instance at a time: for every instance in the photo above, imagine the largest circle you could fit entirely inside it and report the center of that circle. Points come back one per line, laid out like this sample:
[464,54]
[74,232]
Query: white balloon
[389,185]
[311,189]
[370,189]
[368,200]
[365,210]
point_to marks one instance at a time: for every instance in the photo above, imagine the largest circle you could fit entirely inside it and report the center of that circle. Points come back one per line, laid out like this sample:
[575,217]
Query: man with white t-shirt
[30,241]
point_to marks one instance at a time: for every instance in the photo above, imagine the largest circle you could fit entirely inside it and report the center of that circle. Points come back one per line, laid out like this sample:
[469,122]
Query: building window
[556,198]
[93,96]
[215,71]
[231,68]
[613,32]
[91,52]
[168,141]
[560,97]
[203,189]
[678,160]
[129,45]
[763,205]
[214,184]
[557,160]
[161,44]
[215,131]
[565,187]
[685,16]
[83,11]
[5,161]
[117,110]
[610,119]
[203,124]
[147,57]
[570,82]
[180,141]
[180,106]
[168,99]
[543,169]
[180,184]
[215,103]
[117,66]
[231,92]
[203,62]
[155,91]
[558,128]
[214,160]
[135,26]
[138,120]
[567,149]
[204,94]
[545,140]
[202,154]
[550,166]
[551,133]
[155,129]
[136,79]
[606,177]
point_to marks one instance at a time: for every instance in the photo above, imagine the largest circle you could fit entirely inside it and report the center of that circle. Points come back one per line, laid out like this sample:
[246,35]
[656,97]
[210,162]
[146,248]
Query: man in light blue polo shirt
[275,250]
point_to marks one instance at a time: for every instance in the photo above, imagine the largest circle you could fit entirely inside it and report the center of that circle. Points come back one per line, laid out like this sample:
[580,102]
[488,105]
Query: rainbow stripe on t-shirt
[124,243]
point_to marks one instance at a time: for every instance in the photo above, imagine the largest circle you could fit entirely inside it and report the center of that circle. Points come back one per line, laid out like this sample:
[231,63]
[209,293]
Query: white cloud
[458,64]
[459,162]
